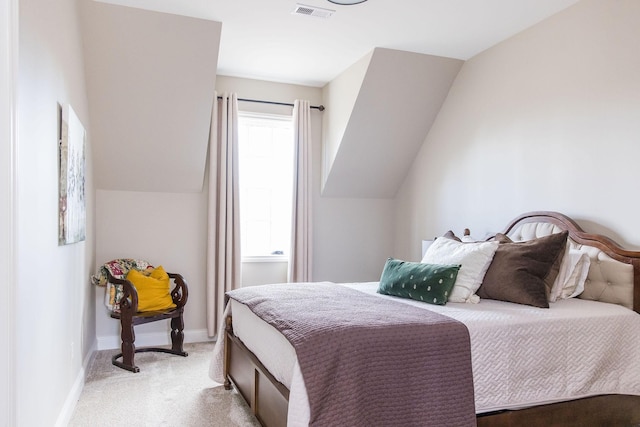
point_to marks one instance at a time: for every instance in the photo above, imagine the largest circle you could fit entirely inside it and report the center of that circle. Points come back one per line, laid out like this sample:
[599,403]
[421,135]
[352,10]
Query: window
[266,183]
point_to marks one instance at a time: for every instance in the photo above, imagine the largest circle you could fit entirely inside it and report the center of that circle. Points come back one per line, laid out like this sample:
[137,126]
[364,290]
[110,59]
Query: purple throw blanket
[369,361]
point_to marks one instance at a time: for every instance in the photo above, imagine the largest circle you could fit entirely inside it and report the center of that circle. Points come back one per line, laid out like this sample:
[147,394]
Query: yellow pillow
[153,290]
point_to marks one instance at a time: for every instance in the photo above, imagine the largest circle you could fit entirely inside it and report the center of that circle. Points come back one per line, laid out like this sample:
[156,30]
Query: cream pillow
[474,259]
[572,275]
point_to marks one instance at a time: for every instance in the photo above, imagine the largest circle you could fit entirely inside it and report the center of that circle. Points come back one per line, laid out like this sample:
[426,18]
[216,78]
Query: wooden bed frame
[268,398]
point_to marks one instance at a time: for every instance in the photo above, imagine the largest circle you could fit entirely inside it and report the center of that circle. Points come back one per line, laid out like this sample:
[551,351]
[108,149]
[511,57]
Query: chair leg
[128,347]
[177,335]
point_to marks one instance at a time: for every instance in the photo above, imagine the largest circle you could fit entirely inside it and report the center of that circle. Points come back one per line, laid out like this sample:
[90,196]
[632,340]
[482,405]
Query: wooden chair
[130,317]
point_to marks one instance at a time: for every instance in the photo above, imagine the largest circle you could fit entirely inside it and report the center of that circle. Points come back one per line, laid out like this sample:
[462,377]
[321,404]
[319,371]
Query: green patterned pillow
[431,283]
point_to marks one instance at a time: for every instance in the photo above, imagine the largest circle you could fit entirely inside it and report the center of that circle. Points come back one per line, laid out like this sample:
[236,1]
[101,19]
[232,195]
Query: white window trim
[271,116]
[265,258]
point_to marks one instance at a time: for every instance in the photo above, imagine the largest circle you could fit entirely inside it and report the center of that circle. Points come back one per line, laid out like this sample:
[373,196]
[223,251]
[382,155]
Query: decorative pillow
[431,283]
[518,271]
[570,281]
[153,290]
[474,259]
[551,278]
[467,238]
[451,235]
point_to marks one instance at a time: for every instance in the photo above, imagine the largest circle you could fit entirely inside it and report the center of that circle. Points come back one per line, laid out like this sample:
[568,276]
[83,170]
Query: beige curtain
[300,258]
[223,236]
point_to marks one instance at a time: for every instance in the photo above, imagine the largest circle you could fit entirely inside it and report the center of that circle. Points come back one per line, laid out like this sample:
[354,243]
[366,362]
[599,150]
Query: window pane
[266,183]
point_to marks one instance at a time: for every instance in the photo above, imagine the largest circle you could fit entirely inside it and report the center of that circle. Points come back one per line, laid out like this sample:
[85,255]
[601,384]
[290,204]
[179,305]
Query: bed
[575,363]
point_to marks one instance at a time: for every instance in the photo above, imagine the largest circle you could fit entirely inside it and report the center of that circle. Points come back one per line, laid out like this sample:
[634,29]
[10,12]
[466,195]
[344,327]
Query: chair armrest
[180,292]
[129,300]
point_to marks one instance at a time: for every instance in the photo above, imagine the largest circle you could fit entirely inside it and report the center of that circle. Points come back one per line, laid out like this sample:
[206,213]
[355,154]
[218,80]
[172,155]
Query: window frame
[265,258]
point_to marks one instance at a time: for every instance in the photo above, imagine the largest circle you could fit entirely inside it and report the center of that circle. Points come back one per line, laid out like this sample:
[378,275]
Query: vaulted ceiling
[262,39]
[385,68]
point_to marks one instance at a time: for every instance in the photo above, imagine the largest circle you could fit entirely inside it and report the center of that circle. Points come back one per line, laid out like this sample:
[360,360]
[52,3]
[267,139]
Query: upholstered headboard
[614,273]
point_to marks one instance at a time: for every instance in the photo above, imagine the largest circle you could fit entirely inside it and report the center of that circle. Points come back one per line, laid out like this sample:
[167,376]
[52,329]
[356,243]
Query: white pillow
[474,259]
[572,275]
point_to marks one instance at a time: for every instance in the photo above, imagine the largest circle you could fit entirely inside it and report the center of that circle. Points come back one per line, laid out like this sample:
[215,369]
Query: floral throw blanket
[118,269]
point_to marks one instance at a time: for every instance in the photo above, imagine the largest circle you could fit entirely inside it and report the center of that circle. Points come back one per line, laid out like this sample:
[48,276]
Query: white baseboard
[74,394]
[112,342]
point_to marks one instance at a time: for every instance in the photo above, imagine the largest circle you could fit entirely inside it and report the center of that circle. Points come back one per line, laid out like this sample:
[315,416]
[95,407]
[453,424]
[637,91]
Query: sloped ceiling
[368,155]
[150,81]
[263,40]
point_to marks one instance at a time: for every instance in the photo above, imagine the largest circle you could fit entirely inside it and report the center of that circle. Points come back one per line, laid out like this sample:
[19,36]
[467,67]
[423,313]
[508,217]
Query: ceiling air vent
[317,12]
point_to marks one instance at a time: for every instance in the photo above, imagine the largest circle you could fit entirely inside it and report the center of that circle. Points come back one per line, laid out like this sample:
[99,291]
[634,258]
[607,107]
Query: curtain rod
[317,107]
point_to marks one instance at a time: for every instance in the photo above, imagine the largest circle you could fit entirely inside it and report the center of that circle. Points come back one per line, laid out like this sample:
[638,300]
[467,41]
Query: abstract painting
[72,215]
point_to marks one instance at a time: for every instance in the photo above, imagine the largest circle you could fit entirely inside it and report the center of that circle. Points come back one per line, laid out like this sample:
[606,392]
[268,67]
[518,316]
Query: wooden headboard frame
[605,244]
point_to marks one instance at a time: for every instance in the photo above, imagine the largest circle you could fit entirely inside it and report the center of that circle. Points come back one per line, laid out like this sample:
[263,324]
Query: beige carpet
[168,391]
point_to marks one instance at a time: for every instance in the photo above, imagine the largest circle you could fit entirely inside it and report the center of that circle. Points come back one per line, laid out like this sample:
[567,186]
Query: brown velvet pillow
[555,268]
[518,270]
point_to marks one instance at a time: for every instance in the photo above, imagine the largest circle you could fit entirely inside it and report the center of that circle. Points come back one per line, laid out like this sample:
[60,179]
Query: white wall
[263,272]
[353,238]
[167,229]
[547,120]
[55,329]
[340,95]
[8,69]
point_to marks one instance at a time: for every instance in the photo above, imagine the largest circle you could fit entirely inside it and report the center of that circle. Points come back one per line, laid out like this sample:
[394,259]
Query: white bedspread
[522,356]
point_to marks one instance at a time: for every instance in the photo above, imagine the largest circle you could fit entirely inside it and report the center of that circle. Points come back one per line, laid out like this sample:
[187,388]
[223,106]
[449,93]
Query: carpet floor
[169,391]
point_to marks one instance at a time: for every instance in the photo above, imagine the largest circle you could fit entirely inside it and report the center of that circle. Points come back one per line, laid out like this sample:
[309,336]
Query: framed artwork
[72,217]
